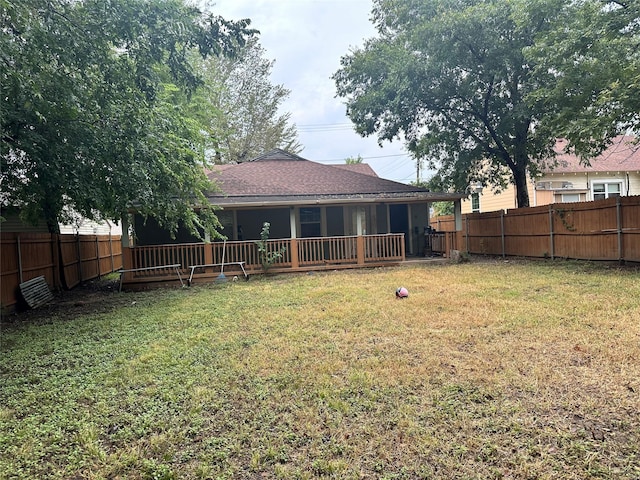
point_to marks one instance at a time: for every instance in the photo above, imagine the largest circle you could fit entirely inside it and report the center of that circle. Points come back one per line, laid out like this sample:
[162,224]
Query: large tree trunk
[520,180]
[520,163]
[50,209]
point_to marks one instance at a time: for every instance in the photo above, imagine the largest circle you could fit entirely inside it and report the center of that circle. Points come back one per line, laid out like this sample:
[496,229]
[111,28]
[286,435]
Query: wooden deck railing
[296,254]
[327,251]
[443,242]
[384,248]
[185,254]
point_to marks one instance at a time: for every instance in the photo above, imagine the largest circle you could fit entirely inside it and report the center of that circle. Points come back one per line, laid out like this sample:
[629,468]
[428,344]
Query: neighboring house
[303,199]
[614,173]
[12,222]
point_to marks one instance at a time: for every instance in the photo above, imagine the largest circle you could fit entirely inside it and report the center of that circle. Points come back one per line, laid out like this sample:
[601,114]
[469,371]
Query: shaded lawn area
[498,370]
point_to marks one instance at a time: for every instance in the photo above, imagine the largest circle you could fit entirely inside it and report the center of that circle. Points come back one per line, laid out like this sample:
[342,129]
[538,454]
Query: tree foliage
[592,54]
[353,160]
[450,78]
[88,118]
[241,107]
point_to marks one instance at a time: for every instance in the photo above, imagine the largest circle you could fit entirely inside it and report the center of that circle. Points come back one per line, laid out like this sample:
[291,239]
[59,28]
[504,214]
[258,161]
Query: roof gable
[357,167]
[278,154]
[281,173]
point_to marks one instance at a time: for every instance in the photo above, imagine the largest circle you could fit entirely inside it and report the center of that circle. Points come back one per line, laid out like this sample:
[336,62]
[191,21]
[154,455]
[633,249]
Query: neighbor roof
[282,178]
[622,156]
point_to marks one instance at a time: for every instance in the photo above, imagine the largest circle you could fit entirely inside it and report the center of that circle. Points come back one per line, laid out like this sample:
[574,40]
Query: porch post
[457,213]
[388,219]
[208,253]
[360,238]
[127,262]
[410,224]
[359,230]
[292,221]
[124,238]
[360,249]
[235,226]
[295,264]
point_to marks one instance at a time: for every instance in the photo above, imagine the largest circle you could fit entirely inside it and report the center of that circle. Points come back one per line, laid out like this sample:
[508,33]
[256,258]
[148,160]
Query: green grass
[487,371]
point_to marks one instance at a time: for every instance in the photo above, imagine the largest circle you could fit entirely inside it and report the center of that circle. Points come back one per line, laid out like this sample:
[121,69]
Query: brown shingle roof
[281,176]
[622,156]
[357,167]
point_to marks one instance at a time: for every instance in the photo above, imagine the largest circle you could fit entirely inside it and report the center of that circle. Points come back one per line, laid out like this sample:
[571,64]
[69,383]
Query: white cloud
[307,38]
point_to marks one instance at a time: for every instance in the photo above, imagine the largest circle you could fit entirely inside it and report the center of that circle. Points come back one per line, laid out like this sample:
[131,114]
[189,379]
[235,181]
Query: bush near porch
[487,370]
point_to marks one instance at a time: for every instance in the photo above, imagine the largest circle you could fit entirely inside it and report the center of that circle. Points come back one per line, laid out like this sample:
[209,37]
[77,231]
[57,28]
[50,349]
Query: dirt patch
[95,296]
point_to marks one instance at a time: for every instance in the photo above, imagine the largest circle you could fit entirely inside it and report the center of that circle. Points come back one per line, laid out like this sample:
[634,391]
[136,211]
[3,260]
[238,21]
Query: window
[475,202]
[570,197]
[602,190]
[310,222]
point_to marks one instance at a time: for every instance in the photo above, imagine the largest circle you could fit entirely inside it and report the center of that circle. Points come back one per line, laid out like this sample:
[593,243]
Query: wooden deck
[299,255]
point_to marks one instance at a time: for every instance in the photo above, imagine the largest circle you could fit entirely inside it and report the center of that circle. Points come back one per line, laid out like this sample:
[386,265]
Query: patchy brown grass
[488,370]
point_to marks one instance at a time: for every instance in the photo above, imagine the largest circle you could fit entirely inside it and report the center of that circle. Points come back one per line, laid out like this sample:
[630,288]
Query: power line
[322,129]
[311,125]
[367,158]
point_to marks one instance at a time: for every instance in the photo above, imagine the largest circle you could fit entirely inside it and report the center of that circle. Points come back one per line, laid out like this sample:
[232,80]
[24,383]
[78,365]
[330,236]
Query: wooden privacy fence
[64,260]
[600,230]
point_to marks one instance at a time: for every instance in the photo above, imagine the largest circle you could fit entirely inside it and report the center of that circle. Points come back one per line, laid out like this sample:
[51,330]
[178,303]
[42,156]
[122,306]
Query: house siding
[506,199]
[14,224]
[89,227]
[581,184]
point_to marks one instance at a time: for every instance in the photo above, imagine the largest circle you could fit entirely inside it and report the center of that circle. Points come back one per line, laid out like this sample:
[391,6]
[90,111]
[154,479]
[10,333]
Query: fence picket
[582,231]
[29,255]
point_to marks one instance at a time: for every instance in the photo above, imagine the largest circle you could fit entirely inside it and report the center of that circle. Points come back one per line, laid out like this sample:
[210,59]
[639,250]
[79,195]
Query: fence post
[467,233]
[19,247]
[113,267]
[502,232]
[55,255]
[98,258]
[551,231]
[79,257]
[619,225]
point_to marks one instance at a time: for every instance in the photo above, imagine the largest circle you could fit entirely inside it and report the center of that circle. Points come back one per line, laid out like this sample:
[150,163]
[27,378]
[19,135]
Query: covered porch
[320,217]
[298,255]
[309,237]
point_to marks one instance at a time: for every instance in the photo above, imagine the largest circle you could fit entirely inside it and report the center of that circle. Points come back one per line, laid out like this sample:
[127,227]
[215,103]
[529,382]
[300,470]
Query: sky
[307,38]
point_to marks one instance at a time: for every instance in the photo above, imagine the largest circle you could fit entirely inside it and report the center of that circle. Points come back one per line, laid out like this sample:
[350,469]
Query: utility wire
[366,158]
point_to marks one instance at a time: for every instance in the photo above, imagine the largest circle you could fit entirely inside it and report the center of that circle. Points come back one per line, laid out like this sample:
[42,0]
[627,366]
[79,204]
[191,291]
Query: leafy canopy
[592,54]
[241,107]
[89,118]
[451,79]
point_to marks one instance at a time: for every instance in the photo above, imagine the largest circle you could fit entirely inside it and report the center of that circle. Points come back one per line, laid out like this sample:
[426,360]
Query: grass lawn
[489,370]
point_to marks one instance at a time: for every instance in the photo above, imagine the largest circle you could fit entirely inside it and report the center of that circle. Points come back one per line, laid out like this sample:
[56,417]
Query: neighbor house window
[310,222]
[570,197]
[602,190]
[475,202]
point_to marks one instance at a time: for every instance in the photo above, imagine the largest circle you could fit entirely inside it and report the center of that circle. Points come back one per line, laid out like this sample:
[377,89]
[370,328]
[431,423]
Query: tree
[450,78]
[87,117]
[436,184]
[592,55]
[241,107]
[353,160]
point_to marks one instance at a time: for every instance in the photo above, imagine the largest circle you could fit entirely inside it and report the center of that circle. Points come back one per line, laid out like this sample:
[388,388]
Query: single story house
[616,172]
[318,213]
